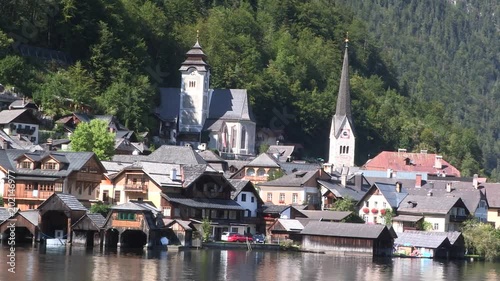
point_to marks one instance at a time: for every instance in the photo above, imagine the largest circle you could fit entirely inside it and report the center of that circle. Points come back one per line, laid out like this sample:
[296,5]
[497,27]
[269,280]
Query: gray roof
[14,142]
[169,105]
[230,104]
[69,200]
[290,167]
[4,214]
[31,216]
[165,154]
[74,161]
[421,204]
[325,215]
[391,195]
[274,209]
[338,229]
[343,110]
[210,156]
[263,160]
[343,191]
[493,194]
[281,152]
[291,224]
[203,203]
[98,219]
[192,173]
[133,206]
[425,239]
[7,116]
[407,218]
[296,179]
[238,186]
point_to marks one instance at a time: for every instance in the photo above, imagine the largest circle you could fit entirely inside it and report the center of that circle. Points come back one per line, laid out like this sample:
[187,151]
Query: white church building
[342,133]
[199,116]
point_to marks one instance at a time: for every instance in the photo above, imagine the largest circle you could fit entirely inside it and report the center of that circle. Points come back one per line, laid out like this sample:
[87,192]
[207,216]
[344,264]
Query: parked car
[225,235]
[259,238]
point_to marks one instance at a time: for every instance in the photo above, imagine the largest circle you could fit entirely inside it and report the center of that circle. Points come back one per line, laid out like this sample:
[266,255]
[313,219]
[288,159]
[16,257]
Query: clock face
[345,134]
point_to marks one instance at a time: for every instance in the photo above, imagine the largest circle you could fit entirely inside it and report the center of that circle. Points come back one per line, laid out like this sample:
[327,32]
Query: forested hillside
[424,74]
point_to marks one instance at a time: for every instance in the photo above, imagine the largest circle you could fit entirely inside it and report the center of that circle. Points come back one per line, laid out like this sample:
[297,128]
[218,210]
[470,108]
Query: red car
[236,237]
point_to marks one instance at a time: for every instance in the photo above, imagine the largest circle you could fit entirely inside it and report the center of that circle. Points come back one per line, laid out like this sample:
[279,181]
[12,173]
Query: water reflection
[108,265]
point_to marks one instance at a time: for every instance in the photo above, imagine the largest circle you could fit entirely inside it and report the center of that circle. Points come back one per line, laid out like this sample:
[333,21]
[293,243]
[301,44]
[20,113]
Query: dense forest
[424,74]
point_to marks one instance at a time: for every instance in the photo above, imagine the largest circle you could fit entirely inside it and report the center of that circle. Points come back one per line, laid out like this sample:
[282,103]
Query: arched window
[243,140]
[261,172]
[250,172]
[347,150]
[340,149]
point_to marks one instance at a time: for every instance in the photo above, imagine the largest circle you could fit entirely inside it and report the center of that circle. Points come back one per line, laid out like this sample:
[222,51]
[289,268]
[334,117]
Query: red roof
[411,162]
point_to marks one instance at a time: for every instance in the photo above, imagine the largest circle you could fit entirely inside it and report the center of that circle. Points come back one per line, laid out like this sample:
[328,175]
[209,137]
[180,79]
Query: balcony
[457,218]
[136,188]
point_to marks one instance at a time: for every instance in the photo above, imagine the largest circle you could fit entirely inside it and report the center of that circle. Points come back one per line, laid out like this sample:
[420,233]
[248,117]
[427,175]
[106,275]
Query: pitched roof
[200,203]
[425,239]
[263,160]
[134,206]
[31,216]
[210,156]
[98,219]
[231,104]
[165,154]
[404,161]
[391,195]
[343,191]
[169,104]
[343,109]
[409,218]
[7,116]
[290,167]
[281,152]
[238,186]
[274,209]
[296,179]
[492,194]
[325,215]
[419,204]
[69,200]
[290,224]
[4,214]
[354,230]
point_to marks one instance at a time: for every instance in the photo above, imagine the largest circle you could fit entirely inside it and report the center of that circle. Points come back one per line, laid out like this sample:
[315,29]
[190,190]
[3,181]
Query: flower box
[366,210]
[374,210]
[382,212]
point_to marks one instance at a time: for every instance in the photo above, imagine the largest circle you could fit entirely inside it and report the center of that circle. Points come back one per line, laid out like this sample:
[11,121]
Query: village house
[247,197]
[88,230]
[259,169]
[133,224]
[430,244]
[215,161]
[378,199]
[20,123]
[39,174]
[26,225]
[348,238]
[298,188]
[187,113]
[348,187]
[493,196]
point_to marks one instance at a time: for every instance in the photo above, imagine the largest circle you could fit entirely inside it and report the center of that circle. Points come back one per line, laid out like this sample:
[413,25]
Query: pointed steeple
[195,57]
[344,95]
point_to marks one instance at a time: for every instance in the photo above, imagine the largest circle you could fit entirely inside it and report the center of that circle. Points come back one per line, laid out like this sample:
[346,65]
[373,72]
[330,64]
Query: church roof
[343,110]
[231,104]
[195,58]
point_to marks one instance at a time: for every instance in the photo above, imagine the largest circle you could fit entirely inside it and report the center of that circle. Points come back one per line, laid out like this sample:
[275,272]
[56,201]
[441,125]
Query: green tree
[94,136]
[275,175]
[100,208]
[387,216]
[206,228]
[482,239]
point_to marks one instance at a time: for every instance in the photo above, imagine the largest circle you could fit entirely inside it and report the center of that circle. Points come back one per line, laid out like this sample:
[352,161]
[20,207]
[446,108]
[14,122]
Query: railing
[136,187]
[456,218]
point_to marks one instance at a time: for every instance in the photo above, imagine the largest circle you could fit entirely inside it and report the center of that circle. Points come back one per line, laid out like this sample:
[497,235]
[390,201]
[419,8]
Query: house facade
[20,123]
[38,175]
[259,169]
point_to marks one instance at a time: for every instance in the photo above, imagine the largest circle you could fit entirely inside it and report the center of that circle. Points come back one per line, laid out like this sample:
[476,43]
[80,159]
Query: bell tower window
[192,84]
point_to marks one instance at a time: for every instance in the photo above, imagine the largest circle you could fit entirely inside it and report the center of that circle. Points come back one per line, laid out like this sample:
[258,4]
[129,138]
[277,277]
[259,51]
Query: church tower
[194,95]
[342,134]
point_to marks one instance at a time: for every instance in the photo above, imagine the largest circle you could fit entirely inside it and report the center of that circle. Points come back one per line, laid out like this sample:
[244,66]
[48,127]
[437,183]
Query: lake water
[80,264]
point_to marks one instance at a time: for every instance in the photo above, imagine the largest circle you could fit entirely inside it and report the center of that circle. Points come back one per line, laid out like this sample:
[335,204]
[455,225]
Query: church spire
[195,57]
[344,95]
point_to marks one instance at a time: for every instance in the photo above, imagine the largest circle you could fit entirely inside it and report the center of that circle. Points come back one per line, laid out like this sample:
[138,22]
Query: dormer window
[50,166]
[25,164]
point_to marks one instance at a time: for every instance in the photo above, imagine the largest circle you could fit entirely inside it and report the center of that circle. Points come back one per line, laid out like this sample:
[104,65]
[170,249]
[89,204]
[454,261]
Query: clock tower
[342,135]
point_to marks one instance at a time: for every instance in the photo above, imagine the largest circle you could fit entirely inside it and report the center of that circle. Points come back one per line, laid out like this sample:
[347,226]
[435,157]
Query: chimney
[343,179]
[418,180]
[49,143]
[448,187]
[389,173]
[358,181]
[398,187]
[438,162]
[475,181]
[173,174]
